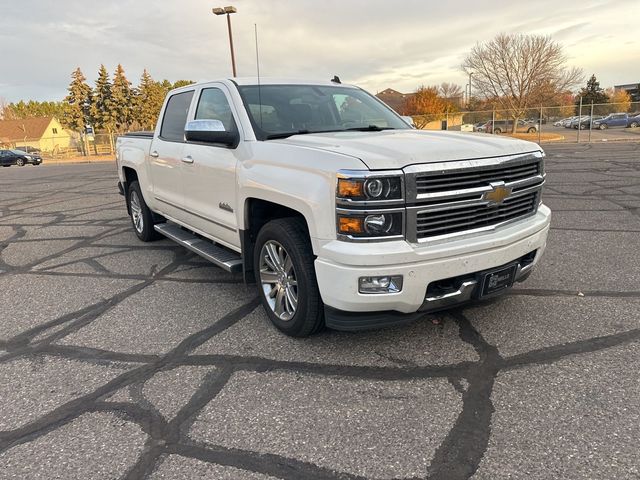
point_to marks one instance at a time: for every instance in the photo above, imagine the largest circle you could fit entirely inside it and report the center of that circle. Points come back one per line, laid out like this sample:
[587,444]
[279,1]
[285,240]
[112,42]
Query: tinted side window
[175,117]
[213,105]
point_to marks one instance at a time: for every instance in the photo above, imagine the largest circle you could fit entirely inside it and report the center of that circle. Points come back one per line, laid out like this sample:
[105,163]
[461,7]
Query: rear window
[175,117]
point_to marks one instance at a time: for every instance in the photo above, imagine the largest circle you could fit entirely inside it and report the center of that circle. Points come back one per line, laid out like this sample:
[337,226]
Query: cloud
[375,43]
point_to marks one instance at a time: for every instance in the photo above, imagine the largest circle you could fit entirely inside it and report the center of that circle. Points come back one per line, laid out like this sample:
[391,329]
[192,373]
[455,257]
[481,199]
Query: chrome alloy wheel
[278,278]
[136,211]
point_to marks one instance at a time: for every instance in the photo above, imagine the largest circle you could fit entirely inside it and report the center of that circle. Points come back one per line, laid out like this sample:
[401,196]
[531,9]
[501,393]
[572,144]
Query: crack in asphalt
[457,457]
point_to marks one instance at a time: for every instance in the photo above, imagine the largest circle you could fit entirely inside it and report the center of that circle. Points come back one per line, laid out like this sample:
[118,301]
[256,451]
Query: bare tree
[519,72]
[450,91]
[3,108]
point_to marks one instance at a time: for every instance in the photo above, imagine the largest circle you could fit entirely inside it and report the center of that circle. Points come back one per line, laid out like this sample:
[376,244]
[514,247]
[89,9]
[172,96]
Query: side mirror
[210,131]
[408,120]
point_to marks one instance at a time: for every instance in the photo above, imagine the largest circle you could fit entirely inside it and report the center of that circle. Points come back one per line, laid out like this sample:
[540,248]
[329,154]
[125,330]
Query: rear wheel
[497,131]
[286,278]
[531,130]
[20,162]
[634,125]
[141,216]
[603,126]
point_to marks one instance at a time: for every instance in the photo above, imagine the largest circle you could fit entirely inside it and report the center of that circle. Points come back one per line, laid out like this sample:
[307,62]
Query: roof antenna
[336,79]
[255,29]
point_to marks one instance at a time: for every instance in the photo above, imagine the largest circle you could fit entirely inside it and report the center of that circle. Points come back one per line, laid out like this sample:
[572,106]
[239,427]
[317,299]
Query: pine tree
[78,103]
[102,107]
[149,99]
[592,93]
[122,97]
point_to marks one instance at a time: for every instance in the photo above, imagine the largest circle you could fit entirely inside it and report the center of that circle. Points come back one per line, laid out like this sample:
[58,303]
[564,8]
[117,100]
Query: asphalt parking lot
[596,135]
[120,359]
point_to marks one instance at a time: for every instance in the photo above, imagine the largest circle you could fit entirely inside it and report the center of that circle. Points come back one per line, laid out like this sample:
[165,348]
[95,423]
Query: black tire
[20,162]
[634,125]
[290,234]
[603,126]
[144,229]
[531,130]
[497,131]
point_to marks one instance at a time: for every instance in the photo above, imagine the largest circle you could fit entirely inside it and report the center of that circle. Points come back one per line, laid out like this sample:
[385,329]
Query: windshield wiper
[274,136]
[369,128]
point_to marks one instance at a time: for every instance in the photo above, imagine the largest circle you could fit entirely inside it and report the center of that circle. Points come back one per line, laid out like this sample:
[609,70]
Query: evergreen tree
[123,97]
[149,99]
[102,107]
[32,108]
[77,103]
[592,93]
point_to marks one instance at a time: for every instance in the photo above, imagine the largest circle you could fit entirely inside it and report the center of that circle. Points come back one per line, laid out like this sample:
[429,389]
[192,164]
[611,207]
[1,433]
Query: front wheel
[531,130]
[603,126]
[286,278]
[497,131]
[634,125]
[20,162]
[141,216]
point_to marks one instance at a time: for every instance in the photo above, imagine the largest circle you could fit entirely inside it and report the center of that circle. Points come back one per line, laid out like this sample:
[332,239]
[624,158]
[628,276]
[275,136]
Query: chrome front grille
[451,198]
[460,219]
[456,180]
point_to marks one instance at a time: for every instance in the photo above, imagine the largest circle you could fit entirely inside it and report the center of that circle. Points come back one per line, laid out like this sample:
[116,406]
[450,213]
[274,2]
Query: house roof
[26,128]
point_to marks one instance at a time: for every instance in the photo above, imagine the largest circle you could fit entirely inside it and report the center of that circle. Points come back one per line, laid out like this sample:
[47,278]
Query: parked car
[585,122]
[479,127]
[560,123]
[634,120]
[506,126]
[30,150]
[18,157]
[340,212]
[611,121]
[566,123]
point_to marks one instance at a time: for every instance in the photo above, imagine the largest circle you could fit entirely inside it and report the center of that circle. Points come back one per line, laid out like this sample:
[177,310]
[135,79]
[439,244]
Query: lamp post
[469,94]
[228,11]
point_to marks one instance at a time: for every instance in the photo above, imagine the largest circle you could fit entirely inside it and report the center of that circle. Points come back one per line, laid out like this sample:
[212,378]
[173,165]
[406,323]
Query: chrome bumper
[466,292]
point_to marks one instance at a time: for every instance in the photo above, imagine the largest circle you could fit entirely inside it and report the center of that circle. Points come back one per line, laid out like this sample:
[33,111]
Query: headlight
[28,157]
[371,189]
[370,224]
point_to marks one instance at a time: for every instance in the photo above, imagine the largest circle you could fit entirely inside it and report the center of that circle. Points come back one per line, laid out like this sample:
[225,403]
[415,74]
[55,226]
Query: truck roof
[276,81]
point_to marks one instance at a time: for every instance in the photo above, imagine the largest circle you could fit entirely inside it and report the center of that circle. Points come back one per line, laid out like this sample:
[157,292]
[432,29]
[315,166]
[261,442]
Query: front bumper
[340,264]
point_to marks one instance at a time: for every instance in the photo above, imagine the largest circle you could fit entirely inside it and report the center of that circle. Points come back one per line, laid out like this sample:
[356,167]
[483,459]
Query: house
[44,133]
[633,89]
[394,99]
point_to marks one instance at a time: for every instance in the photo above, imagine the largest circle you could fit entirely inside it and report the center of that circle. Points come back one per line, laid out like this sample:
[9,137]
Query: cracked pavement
[120,359]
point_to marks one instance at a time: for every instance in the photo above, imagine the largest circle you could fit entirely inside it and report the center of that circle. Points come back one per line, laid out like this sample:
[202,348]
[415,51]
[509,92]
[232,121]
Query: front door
[166,157]
[209,173]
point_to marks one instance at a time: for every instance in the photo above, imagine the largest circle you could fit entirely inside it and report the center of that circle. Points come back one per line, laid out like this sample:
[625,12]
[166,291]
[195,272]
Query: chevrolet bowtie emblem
[498,193]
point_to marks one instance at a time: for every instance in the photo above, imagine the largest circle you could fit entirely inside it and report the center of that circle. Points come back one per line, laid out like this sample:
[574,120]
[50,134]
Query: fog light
[384,284]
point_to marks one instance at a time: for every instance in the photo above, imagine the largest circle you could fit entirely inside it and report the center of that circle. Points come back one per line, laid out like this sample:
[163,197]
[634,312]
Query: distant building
[44,133]
[633,89]
[394,99]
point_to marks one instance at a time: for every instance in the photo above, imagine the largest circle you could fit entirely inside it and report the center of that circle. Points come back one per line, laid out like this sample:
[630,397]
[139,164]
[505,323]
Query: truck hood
[395,149]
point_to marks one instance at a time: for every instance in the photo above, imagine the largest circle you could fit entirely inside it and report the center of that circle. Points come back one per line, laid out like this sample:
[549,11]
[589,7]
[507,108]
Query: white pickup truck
[340,212]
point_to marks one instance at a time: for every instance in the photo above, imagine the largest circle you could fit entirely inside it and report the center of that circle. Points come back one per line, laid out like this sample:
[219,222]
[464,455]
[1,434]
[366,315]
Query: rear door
[166,152]
[620,120]
[209,171]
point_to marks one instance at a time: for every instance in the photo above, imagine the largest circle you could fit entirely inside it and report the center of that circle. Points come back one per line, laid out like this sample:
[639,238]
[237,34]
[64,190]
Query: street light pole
[469,97]
[228,11]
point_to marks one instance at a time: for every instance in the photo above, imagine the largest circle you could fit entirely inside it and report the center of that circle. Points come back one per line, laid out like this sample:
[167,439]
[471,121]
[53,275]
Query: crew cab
[341,212]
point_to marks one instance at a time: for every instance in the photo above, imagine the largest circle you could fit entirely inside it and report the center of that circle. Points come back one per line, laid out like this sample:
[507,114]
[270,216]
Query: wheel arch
[257,213]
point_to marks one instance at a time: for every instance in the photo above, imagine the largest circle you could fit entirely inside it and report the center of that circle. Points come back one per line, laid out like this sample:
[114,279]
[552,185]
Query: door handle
[154,154]
[187,159]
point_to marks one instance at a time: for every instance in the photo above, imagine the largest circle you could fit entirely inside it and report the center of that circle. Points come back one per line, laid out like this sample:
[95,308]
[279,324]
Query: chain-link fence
[567,123]
[65,145]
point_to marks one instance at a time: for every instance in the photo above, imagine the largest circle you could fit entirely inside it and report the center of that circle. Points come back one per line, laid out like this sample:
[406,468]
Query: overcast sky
[376,44]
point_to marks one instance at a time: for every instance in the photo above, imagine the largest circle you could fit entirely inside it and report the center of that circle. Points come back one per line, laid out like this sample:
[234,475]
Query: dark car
[18,157]
[29,150]
[634,120]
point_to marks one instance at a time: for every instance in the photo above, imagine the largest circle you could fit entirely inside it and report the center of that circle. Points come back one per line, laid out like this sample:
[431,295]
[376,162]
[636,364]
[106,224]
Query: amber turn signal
[348,225]
[348,188]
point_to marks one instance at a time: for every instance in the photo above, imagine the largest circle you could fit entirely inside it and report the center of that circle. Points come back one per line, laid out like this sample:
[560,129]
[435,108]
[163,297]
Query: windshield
[278,111]
[18,152]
